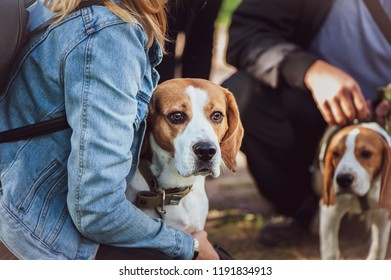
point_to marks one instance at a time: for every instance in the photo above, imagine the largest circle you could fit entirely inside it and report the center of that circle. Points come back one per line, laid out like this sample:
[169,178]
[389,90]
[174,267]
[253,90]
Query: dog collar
[158,197]
[161,197]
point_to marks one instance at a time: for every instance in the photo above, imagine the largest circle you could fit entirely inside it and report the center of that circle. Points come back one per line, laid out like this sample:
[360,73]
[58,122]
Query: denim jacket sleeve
[101,79]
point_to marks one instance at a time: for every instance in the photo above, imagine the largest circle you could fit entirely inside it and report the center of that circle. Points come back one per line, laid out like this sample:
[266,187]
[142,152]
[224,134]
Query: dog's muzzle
[345,181]
[205,151]
[205,158]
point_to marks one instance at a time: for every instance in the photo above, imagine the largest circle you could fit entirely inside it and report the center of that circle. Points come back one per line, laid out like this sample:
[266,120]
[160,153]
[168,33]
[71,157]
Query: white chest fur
[191,212]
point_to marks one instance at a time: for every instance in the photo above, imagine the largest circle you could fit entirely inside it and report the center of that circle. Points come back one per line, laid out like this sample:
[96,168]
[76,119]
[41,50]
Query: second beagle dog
[356,179]
[193,127]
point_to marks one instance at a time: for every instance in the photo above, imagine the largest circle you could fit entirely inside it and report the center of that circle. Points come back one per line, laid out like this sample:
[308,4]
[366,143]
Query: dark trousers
[106,252]
[196,18]
[282,130]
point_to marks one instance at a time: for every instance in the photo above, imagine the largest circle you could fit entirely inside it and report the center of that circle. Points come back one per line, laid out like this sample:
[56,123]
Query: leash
[158,197]
[364,205]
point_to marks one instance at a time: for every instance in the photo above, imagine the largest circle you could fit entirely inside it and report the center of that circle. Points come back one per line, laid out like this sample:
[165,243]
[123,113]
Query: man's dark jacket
[268,38]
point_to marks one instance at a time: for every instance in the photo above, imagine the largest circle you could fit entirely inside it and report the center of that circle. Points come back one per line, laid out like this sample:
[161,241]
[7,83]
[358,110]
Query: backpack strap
[28,3]
[49,126]
[89,3]
[34,130]
[380,17]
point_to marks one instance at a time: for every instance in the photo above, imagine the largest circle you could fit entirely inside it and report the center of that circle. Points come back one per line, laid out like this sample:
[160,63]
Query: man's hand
[207,252]
[337,95]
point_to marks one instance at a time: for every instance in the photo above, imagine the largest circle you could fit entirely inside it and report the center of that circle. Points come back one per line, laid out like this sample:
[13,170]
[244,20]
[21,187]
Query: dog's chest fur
[190,214]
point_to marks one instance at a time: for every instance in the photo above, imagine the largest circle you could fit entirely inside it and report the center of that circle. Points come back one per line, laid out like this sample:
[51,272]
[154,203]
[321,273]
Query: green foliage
[227,7]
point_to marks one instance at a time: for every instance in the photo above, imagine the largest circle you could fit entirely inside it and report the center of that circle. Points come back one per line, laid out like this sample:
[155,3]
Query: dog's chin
[204,171]
[350,192]
[342,192]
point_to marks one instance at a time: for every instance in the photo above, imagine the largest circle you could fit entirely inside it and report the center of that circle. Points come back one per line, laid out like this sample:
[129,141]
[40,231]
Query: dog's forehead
[357,136]
[172,91]
[368,137]
[206,99]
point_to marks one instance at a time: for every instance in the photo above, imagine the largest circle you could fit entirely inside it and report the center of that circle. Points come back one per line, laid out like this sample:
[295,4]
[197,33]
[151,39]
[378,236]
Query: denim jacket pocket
[55,223]
[45,178]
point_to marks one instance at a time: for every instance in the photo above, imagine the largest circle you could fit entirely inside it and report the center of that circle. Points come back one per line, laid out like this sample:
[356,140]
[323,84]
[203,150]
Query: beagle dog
[356,179]
[193,130]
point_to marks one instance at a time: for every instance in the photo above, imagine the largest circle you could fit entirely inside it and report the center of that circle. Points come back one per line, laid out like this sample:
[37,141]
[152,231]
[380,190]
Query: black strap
[49,126]
[363,200]
[34,130]
[380,17]
[28,3]
[89,3]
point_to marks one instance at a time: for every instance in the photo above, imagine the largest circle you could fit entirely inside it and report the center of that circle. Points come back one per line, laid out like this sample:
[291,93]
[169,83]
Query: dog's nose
[345,180]
[204,151]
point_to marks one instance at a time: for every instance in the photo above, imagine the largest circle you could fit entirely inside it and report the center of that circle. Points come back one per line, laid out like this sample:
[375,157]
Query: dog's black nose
[204,151]
[345,180]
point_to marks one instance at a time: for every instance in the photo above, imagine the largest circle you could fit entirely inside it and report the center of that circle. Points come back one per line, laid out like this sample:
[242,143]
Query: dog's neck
[163,168]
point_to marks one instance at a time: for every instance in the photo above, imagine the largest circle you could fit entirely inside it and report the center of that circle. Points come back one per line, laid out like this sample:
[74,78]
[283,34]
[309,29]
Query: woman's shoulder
[102,17]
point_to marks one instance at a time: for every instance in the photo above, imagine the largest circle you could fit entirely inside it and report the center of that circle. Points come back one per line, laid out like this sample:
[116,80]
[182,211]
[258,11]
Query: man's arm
[261,43]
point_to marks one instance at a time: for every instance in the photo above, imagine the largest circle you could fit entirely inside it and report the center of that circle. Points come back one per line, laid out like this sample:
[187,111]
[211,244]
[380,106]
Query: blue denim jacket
[64,193]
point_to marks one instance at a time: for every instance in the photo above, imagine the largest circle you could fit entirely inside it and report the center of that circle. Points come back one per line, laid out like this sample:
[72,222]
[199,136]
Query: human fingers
[326,113]
[337,112]
[332,91]
[362,109]
[206,250]
[347,107]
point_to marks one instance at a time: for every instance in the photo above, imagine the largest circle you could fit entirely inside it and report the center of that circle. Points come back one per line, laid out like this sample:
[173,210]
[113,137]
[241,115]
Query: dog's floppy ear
[232,140]
[328,195]
[385,192]
[146,150]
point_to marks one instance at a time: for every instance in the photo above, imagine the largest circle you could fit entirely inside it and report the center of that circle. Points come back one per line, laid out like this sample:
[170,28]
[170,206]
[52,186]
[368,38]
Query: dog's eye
[365,154]
[335,154]
[217,117]
[177,117]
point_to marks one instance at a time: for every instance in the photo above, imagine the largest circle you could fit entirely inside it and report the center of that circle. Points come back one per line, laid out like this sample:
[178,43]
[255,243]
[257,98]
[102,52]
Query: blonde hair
[150,13]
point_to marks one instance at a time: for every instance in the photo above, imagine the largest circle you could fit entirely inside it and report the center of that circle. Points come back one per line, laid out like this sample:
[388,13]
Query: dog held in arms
[193,127]
[356,179]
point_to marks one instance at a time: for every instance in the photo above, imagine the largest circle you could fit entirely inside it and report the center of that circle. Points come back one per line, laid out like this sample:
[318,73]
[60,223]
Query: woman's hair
[150,13]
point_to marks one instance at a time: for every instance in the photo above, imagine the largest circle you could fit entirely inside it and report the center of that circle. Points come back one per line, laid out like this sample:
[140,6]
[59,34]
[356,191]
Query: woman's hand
[207,252]
[337,94]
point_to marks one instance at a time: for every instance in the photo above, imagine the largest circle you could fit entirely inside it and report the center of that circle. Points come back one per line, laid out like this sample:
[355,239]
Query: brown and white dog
[193,127]
[356,179]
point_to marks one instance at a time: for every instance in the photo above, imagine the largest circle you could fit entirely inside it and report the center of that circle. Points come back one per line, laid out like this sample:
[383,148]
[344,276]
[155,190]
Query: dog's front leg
[380,233]
[330,220]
